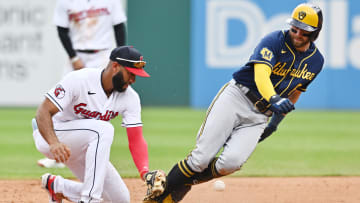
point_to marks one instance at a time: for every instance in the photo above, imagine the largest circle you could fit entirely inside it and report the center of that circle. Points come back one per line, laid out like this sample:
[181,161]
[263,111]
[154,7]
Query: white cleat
[49,163]
[47,183]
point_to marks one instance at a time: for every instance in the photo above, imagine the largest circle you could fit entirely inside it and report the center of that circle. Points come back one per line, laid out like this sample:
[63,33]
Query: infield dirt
[238,190]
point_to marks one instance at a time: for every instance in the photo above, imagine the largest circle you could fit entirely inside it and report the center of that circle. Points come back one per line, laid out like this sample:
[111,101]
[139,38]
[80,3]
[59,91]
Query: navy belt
[89,51]
[261,104]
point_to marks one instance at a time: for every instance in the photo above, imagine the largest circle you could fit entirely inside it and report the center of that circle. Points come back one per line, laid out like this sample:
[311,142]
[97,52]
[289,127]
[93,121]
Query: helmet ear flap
[316,33]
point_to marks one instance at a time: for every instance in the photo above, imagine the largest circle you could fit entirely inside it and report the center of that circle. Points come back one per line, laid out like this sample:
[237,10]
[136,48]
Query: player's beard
[300,43]
[118,82]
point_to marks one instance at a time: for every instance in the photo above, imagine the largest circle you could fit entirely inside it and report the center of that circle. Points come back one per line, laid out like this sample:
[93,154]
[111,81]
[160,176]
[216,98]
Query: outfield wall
[31,56]
[192,49]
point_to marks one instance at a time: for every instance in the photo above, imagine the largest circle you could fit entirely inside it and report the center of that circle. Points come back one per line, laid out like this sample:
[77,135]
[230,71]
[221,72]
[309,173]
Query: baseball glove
[156,183]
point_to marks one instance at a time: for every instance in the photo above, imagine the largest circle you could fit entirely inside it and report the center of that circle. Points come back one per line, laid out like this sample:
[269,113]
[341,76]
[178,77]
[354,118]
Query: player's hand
[271,126]
[281,105]
[267,132]
[77,64]
[60,151]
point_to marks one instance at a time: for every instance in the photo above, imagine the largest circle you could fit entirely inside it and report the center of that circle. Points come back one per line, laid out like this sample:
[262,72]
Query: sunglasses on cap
[135,64]
[293,30]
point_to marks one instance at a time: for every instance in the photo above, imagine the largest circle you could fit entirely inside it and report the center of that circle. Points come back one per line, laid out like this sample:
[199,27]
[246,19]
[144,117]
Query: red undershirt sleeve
[139,149]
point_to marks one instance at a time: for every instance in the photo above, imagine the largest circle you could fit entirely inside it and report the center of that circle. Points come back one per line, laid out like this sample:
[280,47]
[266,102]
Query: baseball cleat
[49,163]
[47,182]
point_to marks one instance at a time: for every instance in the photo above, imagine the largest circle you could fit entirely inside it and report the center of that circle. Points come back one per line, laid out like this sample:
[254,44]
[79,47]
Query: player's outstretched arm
[277,118]
[271,126]
[139,149]
[44,122]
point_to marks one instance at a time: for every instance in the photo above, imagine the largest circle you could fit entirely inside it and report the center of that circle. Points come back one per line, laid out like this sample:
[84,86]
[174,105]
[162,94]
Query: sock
[181,177]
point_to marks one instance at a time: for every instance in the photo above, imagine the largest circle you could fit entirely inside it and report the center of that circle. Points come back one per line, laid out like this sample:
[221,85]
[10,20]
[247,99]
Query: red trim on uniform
[139,149]
[49,186]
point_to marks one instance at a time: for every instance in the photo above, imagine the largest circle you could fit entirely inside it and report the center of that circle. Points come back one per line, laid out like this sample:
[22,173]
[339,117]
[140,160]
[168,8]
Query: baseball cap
[131,59]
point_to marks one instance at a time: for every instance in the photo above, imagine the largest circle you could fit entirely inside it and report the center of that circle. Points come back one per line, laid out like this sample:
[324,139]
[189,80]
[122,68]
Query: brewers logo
[266,54]
[302,15]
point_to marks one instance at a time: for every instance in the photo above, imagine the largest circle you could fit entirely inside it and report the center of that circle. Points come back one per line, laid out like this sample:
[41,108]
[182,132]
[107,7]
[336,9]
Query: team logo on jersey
[59,92]
[266,54]
[302,15]
[81,110]
[91,13]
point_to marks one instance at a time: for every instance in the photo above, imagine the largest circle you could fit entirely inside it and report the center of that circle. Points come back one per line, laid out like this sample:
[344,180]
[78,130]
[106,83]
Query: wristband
[74,59]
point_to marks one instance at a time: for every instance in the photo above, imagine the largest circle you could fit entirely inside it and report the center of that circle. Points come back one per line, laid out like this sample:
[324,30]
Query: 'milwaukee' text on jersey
[80,95]
[291,70]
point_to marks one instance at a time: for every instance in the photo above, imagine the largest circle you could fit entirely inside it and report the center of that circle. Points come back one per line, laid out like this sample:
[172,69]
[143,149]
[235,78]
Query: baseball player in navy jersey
[282,66]
[72,126]
[85,28]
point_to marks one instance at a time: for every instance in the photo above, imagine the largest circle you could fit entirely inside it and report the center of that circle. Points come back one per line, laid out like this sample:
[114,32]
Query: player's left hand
[281,105]
[60,151]
[272,126]
[267,132]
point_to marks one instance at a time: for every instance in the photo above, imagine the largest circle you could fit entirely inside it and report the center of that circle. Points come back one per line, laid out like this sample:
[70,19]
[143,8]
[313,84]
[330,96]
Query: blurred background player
[86,29]
[73,126]
[281,67]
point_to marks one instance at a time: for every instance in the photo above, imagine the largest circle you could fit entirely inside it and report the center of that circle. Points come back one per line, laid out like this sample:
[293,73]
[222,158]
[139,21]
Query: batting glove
[281,105]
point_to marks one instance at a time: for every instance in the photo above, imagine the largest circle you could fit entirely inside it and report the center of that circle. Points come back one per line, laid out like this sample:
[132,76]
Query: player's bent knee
[230,165]
[198,164]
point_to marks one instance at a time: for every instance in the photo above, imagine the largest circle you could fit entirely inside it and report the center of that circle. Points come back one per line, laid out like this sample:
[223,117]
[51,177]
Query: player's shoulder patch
[59,91]
[266,54]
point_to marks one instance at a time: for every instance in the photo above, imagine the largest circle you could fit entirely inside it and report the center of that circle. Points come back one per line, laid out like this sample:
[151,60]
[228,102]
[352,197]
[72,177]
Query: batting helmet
[307,17]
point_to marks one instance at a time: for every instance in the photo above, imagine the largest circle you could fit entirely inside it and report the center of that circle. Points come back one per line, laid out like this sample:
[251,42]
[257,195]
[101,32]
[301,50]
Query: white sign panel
[31,55]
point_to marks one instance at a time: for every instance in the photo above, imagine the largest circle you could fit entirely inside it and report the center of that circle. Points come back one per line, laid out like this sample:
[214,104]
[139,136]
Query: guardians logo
[78,109]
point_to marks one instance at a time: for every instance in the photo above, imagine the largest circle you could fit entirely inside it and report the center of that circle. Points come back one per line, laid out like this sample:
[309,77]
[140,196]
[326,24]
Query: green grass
[307,143]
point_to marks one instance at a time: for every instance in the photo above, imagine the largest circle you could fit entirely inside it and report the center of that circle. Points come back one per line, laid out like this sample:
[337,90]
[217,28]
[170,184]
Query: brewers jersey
[291,70]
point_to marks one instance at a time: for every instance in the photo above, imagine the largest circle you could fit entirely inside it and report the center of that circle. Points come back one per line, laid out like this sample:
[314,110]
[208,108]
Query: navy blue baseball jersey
[291,70]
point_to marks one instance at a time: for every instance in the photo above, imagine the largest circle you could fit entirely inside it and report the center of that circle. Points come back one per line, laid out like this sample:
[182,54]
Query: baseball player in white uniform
[72,126]
[85,30]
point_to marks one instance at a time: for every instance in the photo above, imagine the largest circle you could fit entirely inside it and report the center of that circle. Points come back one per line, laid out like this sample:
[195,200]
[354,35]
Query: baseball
[219,185]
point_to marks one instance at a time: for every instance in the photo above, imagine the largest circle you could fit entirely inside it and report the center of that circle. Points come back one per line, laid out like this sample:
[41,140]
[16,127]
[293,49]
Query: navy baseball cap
[131,59]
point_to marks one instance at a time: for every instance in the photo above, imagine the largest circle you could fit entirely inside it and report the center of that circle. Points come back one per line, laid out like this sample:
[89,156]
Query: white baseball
[219,185]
